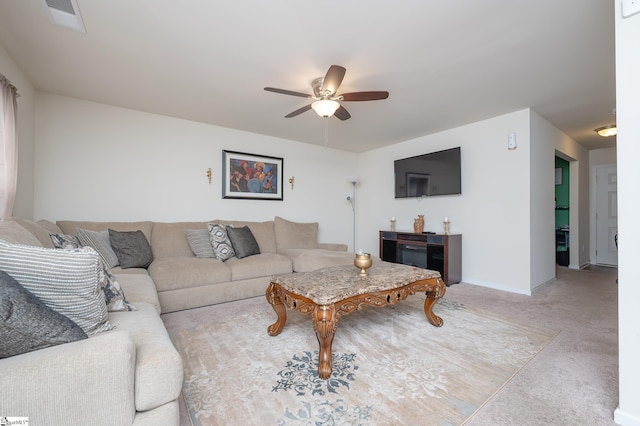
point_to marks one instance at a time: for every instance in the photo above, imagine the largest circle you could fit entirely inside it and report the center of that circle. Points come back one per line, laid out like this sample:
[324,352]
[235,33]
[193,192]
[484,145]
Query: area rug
[390,365]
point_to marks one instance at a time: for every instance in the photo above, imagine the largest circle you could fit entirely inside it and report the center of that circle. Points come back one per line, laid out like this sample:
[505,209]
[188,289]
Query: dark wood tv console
[439,252]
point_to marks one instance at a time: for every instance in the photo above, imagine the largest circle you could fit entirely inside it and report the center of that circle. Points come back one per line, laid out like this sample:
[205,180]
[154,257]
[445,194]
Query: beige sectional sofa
[133,374]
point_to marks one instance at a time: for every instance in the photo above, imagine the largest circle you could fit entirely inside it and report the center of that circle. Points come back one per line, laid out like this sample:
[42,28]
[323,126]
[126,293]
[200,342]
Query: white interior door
[606,215]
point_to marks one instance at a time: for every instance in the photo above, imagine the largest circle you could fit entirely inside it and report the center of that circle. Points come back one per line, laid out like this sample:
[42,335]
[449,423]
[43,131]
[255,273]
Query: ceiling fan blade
[287,92]
[364,96]
[342,113]
[333,79]
[298,111]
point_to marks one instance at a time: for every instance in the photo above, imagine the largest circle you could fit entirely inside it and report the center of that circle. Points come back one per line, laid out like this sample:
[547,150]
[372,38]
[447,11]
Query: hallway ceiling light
[607,131]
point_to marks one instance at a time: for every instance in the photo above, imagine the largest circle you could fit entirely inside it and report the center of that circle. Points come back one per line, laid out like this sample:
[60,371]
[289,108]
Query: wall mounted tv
[436,173]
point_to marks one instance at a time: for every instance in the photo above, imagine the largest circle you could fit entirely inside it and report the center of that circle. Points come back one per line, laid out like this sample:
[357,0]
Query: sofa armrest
[86,382]
[333,246]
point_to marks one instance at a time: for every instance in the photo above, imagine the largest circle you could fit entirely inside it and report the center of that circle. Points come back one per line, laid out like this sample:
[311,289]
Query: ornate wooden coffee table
[329,293]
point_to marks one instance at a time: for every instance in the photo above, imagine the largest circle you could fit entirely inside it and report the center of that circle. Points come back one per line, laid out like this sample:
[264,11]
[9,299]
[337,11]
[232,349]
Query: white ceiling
[445,63]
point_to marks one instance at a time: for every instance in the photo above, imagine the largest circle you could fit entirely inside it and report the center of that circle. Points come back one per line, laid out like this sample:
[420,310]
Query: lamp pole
[352,199]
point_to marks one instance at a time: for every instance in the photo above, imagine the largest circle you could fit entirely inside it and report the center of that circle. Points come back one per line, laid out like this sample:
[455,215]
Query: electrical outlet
[630,7]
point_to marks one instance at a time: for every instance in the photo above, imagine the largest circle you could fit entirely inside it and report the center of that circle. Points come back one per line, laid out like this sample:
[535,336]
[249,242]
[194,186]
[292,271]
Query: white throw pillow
[222,248]
[67,281]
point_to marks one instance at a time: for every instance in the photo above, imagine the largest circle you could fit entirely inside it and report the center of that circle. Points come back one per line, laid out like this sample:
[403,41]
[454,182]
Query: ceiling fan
[325,95]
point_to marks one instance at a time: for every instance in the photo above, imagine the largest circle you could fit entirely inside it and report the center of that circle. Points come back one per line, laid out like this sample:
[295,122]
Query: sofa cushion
[27,324]
[51,227]
[305,260]
[200,242]
[129,271]
[174,273]
[220,242]
[169,240]
[67,281]
[39,231]
[99,241]
[261,265]
[131,248]
[159,370]
[263,232]
[12,232]
[243,242]
[139,288]
[295,234]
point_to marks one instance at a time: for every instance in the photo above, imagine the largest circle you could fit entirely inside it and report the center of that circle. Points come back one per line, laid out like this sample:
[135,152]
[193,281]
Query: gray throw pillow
[131,248]
[199,242]
[243,241]
[219,240]
[27,324]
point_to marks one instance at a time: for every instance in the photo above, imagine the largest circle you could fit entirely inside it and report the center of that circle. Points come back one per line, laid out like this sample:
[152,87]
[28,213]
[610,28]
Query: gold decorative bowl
[363,262]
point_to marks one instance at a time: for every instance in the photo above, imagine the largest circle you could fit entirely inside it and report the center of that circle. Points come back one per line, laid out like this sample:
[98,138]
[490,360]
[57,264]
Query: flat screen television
[435,173]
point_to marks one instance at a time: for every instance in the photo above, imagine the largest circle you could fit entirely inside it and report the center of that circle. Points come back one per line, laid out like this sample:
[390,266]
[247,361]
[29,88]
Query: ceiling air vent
[65,13]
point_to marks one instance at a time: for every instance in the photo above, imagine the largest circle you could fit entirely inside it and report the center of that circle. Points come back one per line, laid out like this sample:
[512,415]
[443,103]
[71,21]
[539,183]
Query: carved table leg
[273,298]
[432,298]
[325,322]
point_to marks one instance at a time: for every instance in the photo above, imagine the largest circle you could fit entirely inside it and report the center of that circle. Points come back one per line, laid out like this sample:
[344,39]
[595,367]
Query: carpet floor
[390,366]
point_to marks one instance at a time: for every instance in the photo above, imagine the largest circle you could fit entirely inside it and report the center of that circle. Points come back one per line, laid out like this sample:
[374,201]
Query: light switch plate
[630,7]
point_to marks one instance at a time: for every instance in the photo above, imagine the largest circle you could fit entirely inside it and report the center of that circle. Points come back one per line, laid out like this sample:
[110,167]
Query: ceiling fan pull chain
[326,132]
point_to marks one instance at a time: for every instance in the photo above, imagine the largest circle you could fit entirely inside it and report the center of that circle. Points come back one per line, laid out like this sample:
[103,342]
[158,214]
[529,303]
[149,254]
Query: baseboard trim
[539,286]
[625,419]
[499,287]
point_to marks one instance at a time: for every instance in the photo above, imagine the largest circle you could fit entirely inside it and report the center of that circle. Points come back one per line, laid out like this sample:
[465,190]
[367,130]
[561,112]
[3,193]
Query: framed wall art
[251,176]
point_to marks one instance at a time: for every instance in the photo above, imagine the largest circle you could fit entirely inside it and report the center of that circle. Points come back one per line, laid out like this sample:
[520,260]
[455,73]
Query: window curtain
[8,147]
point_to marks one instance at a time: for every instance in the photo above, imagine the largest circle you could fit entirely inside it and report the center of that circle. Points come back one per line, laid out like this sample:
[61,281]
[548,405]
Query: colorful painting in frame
[250,176]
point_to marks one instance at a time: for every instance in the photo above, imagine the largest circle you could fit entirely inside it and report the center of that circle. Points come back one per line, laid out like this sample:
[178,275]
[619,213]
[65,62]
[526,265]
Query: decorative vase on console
[418,224]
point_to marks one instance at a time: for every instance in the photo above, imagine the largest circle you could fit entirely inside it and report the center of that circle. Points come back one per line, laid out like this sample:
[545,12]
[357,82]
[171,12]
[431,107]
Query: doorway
[606,204]
[562,200]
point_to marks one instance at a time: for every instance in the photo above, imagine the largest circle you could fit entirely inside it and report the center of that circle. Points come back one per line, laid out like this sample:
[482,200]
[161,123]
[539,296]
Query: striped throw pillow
[99,241]
[199,242]
[67,281]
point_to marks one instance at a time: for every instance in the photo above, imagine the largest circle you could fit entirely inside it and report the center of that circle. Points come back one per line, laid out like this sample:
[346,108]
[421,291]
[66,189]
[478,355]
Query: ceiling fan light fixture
[325,107]
[607,131]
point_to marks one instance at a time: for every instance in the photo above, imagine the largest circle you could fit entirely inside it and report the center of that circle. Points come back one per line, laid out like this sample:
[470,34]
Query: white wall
[492,213]
[628,153]
[98,162]
[24,196]
[541,199]
[601,157]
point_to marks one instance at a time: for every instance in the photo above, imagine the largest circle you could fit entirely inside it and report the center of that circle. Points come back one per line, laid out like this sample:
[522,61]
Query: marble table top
[329,285]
